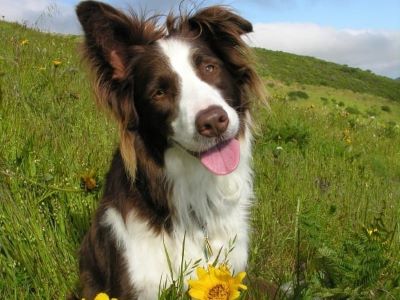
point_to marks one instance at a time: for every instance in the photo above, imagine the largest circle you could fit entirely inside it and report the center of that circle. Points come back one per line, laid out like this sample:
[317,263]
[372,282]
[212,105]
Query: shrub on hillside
[324,100]
[390,129]
[294,95]
[292,132]
[353,110]
[323,83]
[373,111]
[354,122]
[347,69]
[386,108]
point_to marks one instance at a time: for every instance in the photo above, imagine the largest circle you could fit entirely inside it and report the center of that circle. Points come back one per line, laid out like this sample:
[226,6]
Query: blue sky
[356,14]
[359,33]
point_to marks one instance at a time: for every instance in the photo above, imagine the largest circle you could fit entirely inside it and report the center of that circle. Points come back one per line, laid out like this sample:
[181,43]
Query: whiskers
[205,144]
[202,144]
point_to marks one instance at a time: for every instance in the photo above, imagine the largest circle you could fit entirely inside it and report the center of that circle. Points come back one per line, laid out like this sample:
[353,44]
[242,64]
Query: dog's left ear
[222,29]
[219,22]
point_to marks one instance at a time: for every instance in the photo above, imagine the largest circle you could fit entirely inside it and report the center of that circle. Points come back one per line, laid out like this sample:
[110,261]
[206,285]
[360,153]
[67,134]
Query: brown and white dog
[181,178]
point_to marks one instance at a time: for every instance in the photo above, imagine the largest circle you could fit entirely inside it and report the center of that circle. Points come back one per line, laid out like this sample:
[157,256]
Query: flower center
[218,292]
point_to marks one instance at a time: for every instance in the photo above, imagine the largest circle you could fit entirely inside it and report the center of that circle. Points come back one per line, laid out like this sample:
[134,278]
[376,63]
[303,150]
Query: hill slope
[290,68]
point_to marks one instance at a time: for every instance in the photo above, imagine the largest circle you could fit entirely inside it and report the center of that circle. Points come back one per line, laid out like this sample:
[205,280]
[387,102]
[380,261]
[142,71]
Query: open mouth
[221,159]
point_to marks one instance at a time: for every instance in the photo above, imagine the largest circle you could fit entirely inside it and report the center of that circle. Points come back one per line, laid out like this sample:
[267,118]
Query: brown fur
[222,30]
[108,53]
[121,52]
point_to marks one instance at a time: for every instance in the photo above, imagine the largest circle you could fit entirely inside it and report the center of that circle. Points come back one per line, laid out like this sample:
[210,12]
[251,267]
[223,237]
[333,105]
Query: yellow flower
[371,231]
[24,42]
[216,284]
[56,62]
[346,136]
[103,296]
[89,182]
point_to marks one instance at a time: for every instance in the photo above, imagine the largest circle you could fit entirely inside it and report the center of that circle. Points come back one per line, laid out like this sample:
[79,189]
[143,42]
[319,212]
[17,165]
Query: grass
[43,210]
[342,185]
[326,218]
[328,97]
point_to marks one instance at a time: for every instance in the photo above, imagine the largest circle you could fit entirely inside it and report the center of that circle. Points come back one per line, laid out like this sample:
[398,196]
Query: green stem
[31,181]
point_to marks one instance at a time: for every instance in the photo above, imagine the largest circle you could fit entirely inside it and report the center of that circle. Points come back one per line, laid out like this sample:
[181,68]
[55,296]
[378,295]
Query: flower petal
[101,296]
[201,272]
[234,295]
[239,277]
[196,294]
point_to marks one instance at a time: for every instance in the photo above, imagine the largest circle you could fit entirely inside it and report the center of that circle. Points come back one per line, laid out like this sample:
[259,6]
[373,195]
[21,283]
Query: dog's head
[186,84]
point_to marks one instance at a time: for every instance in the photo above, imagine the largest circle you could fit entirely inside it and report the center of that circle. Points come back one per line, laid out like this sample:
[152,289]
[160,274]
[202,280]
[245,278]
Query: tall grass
[341,186]
[343,169]
[51,134]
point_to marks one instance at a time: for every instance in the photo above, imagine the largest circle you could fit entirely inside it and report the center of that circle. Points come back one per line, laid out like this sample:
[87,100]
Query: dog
[179,188]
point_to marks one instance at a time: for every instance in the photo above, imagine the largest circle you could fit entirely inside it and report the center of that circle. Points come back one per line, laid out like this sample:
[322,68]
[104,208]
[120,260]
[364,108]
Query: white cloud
[375,50]
[48,15]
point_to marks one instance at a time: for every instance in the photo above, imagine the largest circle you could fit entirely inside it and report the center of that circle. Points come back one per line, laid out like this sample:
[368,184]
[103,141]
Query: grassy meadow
[326,160]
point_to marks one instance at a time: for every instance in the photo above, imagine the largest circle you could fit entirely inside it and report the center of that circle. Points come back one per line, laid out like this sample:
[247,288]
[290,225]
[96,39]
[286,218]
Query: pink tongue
[223,158]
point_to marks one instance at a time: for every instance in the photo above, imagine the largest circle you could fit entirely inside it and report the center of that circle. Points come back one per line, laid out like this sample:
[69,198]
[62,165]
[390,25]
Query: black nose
[212,121]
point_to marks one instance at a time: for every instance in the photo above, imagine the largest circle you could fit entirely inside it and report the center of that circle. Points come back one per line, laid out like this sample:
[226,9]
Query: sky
[359,33]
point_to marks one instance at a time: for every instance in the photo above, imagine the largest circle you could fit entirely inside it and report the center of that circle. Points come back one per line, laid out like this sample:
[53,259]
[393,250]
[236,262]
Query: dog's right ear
[108,34]
[113,42]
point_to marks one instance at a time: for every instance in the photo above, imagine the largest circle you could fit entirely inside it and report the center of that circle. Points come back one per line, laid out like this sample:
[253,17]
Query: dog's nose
[212,121]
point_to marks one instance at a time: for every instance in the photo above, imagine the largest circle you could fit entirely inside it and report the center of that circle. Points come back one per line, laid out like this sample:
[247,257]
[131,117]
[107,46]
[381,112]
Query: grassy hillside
[327,177]
[290,68]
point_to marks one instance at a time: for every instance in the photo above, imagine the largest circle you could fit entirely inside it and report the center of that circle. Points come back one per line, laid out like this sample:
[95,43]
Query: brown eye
[159,93]
[210,68]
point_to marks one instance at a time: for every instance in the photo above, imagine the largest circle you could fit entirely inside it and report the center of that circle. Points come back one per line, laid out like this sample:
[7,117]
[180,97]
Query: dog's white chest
[147,254]
[211,219]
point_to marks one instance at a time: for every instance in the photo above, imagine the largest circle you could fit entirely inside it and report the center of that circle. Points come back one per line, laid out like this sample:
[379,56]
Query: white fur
[199,198]
[225,214]
[195,95]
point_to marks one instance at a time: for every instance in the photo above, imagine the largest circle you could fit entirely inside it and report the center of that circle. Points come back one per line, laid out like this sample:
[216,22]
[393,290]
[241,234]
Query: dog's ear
[113,42]
[222,29]
[107,39]
[220,22]
[108,35]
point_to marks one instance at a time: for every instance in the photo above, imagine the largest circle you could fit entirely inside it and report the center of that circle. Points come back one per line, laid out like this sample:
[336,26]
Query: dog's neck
[199,197]
[180,192]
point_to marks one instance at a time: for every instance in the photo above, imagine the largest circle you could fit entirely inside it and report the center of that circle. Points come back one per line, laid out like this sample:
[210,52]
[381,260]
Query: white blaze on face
[195,95]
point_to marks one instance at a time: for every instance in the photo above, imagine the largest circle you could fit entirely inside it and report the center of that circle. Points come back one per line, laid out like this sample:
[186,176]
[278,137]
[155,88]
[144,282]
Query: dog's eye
[159,93]
[210,68]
